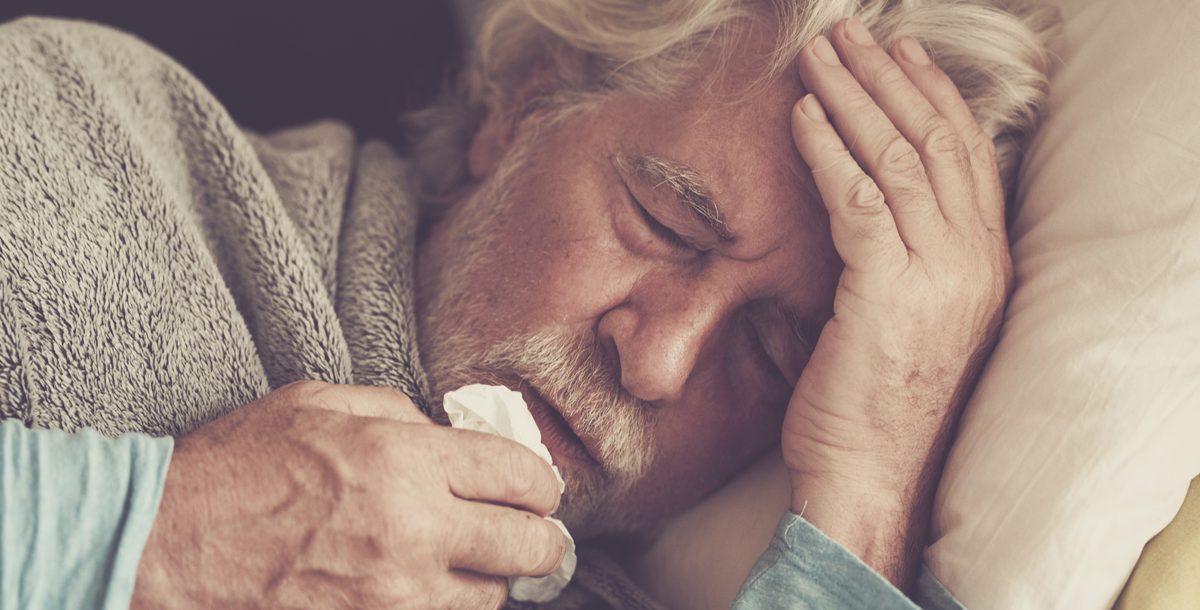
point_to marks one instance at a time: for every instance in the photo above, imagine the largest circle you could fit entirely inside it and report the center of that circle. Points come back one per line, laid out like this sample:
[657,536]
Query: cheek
[558,263]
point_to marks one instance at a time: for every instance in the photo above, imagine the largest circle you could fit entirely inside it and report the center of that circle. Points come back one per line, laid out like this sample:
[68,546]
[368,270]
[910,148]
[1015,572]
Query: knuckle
[500,458]
[863,194]
[328,396]
[898,157]
[858,102]
[543,548]
[522,480]
[982,149]
[398,397]
[420,530]
[533,473]
[984,283]
[304,390]
[940,139]
[888,76]
[521,487]
[398,405]
[385,451]
[833,148]
[545,485]
[556,549]
[378,441]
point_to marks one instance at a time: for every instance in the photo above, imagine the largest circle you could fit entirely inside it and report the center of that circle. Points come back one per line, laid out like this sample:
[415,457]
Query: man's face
[580,273]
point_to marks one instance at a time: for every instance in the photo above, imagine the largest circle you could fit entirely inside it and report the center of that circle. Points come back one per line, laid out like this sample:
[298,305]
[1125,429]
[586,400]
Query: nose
[660,335]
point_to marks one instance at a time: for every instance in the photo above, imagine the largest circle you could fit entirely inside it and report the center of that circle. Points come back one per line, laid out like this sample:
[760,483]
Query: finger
[879,147]
[864,231]
[360,400]
[942,150]
[504,541]
[494,469]
[475,591]
[944,95]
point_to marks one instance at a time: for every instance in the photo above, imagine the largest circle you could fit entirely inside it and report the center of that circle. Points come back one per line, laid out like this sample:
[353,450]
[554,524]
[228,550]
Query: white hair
[995,52]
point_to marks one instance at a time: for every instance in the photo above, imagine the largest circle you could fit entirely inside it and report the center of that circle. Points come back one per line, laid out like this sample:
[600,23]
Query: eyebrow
[688,187]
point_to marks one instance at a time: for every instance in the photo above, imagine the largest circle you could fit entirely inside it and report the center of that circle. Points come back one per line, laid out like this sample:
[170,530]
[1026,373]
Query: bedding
[1079,444]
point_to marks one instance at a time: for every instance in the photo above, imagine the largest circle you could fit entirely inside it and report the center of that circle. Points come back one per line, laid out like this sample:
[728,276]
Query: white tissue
[503,412]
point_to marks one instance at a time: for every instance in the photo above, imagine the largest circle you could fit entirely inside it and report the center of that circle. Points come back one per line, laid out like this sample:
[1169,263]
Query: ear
[504,121]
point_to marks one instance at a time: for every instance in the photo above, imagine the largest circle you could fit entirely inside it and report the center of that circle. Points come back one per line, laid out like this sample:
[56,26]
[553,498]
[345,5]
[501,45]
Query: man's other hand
[325,496]
[917,213]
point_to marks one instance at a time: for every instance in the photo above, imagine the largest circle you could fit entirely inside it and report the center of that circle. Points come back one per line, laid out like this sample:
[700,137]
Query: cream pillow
[1081,439]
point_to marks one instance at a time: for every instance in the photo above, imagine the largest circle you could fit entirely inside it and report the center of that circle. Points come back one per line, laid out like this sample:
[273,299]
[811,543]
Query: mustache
[576,375]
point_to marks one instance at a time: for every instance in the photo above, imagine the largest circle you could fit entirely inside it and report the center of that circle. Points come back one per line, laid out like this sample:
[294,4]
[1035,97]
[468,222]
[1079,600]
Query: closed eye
[660,231]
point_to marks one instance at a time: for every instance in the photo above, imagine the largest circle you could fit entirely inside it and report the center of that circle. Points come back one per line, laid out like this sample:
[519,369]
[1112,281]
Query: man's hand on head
[916,208]
[325,496]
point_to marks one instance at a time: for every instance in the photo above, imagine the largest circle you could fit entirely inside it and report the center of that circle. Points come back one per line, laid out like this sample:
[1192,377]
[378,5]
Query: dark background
[275,63]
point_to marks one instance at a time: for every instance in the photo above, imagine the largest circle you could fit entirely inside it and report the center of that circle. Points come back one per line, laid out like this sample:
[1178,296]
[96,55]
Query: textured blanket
[160,267]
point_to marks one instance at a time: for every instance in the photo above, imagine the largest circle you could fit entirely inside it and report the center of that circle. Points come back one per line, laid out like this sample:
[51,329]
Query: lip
[558,436]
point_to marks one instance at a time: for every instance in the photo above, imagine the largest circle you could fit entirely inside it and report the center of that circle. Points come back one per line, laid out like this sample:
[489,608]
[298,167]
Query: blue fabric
[75,513]
[803,568]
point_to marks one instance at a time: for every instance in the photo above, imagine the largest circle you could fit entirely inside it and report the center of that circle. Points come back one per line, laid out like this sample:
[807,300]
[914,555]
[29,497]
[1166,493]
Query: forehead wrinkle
[688,187]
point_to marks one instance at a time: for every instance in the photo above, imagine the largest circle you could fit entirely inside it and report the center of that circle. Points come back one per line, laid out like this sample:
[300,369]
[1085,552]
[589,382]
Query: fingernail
[858,33]
[912,52]
[824,51]
[812,108]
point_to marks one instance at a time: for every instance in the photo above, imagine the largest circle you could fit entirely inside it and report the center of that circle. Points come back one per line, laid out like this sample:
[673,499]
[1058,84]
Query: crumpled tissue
[498,410]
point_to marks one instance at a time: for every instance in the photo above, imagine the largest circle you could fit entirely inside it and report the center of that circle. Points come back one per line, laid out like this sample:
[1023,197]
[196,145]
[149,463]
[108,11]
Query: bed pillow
[1081,439]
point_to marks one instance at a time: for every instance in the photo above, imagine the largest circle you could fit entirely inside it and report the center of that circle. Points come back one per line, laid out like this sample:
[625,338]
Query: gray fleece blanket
[160,267]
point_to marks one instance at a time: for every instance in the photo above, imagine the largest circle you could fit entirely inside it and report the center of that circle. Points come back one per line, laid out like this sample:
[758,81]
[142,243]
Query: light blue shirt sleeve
[803,568]
[75,513]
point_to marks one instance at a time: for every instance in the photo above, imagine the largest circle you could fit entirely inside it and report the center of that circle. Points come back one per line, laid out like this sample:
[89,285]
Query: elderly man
[687,232]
